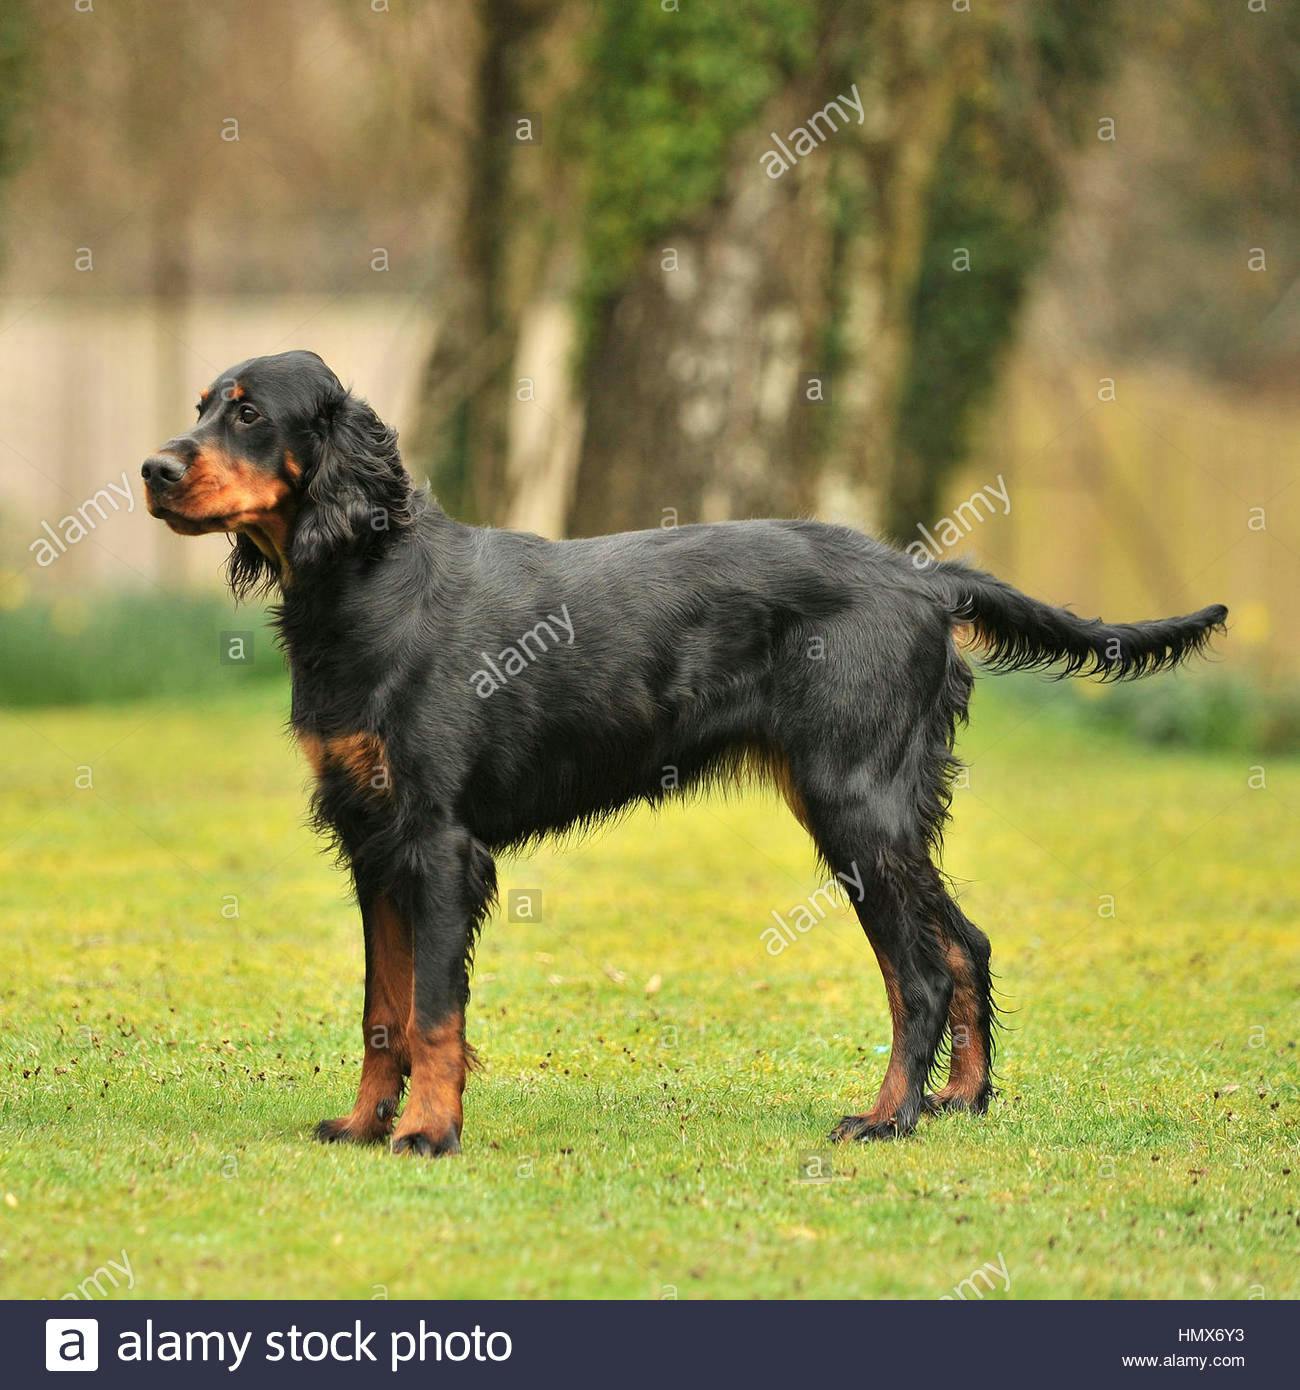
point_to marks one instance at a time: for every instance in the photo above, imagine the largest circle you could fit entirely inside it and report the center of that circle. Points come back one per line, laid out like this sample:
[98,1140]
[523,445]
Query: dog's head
[289,462]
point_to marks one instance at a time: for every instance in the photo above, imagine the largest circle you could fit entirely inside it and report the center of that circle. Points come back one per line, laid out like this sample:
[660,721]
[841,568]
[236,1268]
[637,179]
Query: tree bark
[753,356]
[698,400]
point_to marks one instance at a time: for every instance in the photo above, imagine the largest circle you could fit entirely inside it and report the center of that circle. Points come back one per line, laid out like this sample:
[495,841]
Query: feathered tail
[1021,634]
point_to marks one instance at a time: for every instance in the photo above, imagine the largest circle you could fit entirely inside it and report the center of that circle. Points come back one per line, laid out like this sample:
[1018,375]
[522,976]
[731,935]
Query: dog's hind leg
[870,756]
[891,893]
[970,1015]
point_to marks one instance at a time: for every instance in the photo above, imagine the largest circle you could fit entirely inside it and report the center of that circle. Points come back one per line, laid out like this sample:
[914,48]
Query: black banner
[653,1343]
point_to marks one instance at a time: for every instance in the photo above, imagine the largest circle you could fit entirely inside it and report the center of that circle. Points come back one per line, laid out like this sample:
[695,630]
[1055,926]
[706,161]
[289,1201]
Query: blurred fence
[88,388]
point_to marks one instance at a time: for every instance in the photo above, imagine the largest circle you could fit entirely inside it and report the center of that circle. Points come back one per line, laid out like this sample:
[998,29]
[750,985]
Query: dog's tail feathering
[1018,633]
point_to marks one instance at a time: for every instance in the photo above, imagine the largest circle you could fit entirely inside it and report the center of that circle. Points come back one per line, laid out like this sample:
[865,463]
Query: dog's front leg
[387,1056]
[444,904]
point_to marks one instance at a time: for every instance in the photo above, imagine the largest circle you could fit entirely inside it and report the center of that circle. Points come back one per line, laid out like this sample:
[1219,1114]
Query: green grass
[108,648]
[163,1063]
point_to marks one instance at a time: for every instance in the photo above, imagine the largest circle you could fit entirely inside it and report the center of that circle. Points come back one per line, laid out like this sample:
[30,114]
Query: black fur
[1022,634]
[653,663]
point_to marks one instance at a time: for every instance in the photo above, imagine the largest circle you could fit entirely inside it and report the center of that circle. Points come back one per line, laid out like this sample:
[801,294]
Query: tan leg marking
[363,758]
[438,1068]
[969,1064]
[387,1056]
[894,1086]
[313,749]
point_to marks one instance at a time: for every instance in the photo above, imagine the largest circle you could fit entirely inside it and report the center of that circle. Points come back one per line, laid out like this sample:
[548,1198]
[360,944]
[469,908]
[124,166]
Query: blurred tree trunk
[19,80]
[505,270]
[697,401]
[922,61]
[731,385]
[646,326]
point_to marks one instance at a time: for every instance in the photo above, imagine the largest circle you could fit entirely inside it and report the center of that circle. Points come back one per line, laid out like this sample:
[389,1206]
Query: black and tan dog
[459,690]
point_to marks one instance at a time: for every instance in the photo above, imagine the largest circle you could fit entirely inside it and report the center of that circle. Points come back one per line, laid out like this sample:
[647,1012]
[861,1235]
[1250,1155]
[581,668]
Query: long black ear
[357,491]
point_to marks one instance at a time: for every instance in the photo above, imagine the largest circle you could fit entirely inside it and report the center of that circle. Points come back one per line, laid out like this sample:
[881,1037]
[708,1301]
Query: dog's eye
[248,414]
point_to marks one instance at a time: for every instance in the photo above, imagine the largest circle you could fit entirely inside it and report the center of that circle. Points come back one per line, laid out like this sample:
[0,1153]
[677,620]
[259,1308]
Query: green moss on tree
[670,93]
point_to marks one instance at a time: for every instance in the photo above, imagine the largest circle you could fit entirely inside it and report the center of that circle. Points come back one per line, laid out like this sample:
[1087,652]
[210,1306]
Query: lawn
[183,978]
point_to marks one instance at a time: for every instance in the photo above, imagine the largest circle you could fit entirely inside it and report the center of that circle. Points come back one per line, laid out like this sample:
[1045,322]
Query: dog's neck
[324,617]
[273,542]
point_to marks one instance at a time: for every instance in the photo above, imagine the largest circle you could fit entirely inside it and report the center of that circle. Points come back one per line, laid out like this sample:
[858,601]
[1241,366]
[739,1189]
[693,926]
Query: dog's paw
[945,1101]
[867,1127]
[351,1129]
[335,1131]
[427,1145]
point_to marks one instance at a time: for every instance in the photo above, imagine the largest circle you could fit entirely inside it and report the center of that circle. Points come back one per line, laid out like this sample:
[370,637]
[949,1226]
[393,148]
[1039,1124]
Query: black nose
[162,470]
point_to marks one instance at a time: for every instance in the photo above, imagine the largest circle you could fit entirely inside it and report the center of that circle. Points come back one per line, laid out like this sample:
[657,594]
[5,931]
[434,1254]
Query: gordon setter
[458,690]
